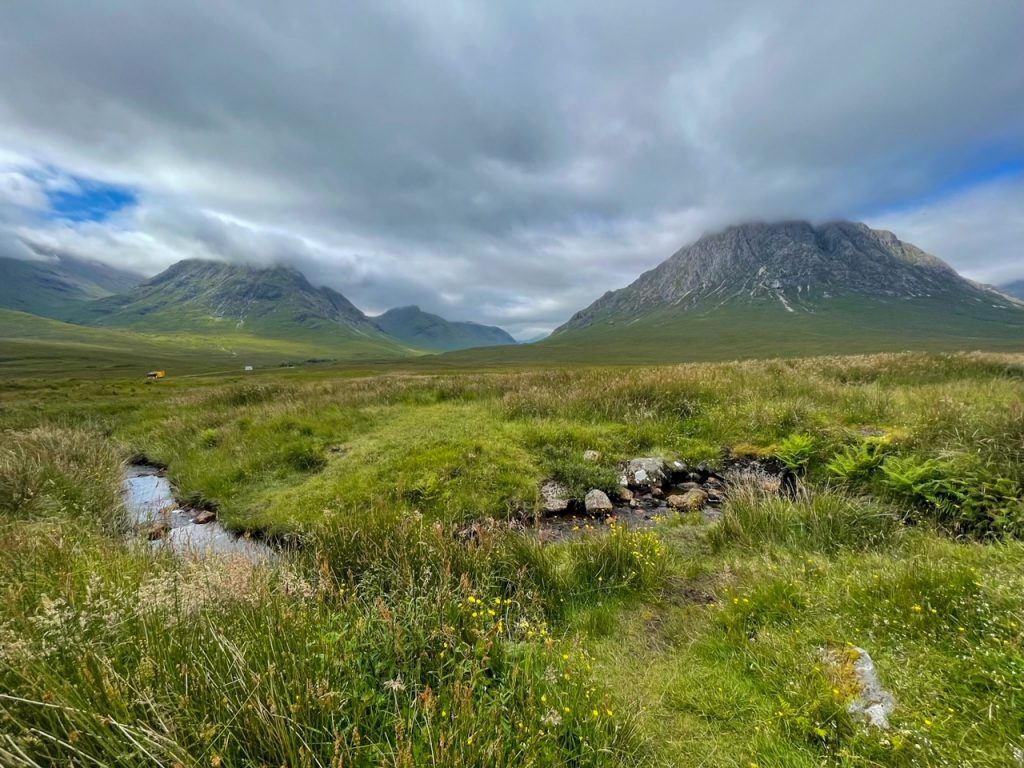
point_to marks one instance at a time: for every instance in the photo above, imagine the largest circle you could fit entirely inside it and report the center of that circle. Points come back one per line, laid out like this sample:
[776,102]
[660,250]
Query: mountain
[791,288]
[426,331]
[52,287]
[1015,289]
[209,297]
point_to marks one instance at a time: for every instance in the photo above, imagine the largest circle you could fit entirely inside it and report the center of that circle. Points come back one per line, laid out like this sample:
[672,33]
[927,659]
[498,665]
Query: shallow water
[149,500]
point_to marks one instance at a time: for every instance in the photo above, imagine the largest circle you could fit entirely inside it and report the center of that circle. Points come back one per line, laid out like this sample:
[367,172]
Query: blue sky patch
[89,200]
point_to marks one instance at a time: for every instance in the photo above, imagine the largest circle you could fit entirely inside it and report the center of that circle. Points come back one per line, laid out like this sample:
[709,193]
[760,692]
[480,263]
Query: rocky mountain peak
[794,263]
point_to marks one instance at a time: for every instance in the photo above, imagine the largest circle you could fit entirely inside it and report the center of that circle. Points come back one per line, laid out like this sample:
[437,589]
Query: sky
[504,162]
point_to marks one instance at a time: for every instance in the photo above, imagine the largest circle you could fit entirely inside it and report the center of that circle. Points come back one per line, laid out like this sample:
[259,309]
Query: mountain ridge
[51,286]
[207,297]
[794,264]
[429,331]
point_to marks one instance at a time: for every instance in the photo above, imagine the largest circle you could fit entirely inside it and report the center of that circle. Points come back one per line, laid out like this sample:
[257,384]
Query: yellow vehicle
[155,375]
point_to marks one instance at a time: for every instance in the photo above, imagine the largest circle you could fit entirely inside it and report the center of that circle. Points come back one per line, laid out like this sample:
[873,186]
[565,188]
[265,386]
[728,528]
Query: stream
[151,508]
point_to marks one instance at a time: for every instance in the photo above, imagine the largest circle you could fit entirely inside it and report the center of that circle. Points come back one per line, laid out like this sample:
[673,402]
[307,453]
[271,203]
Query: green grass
[758,331]
[35,346]
[391,639]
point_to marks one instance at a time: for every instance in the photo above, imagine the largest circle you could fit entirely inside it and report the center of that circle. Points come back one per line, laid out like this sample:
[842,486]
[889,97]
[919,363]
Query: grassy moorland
[32,346]
[388,639]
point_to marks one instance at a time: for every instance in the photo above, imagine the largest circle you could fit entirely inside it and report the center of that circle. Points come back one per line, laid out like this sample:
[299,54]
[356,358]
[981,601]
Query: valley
[673,532]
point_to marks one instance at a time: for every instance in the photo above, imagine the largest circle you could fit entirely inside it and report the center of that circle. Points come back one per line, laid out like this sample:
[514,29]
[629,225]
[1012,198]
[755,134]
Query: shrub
[796,451]
[853,464]
[958,493]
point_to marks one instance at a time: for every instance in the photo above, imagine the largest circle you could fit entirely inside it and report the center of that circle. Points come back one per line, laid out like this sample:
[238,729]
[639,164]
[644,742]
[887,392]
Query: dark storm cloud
[506,162]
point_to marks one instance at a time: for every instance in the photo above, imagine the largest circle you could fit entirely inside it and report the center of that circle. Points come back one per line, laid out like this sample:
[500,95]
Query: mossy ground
[388,640]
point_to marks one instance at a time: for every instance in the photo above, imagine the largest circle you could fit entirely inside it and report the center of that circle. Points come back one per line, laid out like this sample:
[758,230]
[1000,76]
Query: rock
[715,483]
[684,487]
[657,493]
[624,493]
[643,474]
[591,455]
[678,471]
[874,704]
[204,517]
[691,501]
[556,497]
[157,530]
[597,503]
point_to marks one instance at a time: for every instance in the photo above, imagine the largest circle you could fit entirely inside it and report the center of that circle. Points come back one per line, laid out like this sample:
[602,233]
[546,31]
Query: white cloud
[980,230]
[504,162]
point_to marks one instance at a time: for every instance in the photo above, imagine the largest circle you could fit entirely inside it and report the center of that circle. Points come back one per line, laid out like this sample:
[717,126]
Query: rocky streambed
[650,489]
[155,515]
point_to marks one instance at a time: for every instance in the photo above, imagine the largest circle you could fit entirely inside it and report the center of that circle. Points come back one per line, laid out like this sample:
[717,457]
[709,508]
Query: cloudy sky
[506,162]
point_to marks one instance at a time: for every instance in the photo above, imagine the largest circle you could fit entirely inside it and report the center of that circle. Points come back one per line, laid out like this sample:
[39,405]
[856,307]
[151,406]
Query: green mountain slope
[422,329]
[54,287]
[206,297]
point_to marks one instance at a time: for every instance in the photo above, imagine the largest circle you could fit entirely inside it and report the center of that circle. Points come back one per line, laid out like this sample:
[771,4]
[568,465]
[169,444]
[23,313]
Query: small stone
[556,497]
[597,503]
[684,487]
[591,455]
[157,531]
[714,482]
[624,493]
[643,474]
[691,501]
[657,493]
[204,517]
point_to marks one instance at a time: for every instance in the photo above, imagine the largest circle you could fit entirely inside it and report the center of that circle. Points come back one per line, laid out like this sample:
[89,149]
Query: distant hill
[787,289]
[426,331]
[53,287]
[1015,289]
[209,297]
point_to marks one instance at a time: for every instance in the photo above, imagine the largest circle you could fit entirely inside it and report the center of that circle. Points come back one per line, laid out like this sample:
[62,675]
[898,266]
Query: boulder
[591,455]
[204,517]
[157,530]
[644,474]
[684,487]
[597,503]
[691,501]
[555,496]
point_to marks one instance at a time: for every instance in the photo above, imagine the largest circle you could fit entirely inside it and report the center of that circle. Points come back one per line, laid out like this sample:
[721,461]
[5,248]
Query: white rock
[597,502]
[556,497]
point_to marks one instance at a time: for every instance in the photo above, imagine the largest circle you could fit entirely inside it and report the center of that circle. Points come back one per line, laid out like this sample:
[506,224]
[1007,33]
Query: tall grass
[49,472]
[823,521]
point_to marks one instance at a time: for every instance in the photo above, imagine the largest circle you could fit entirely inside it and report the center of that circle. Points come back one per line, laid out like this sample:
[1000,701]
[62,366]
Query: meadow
[385,636]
